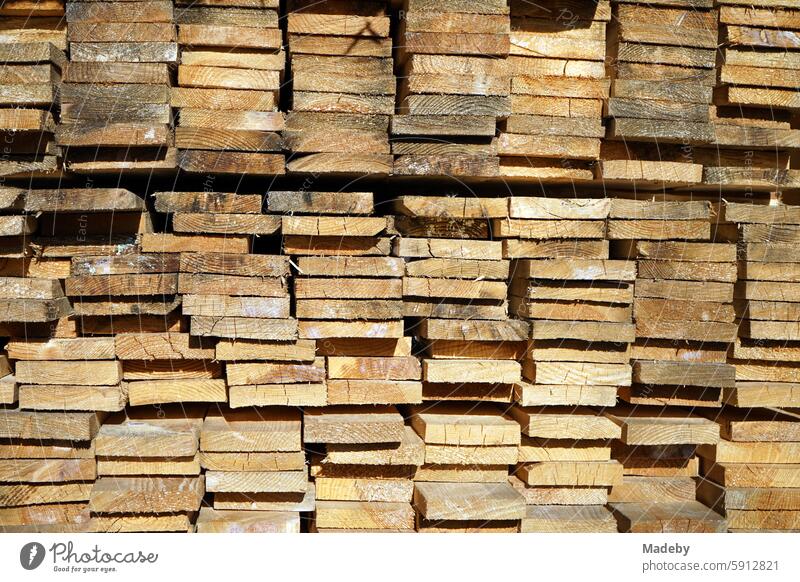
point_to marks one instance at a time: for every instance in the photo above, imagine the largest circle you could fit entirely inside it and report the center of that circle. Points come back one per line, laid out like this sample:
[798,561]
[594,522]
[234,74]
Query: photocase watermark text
[65,553]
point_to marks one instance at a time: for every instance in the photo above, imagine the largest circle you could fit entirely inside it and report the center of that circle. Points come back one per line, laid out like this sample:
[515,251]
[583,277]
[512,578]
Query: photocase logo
[31,555]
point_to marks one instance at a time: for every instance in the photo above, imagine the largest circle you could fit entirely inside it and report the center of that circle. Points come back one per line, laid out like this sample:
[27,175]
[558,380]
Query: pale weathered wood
[352,425]
[254,430]
[465,501]
[457,424]
[640,427]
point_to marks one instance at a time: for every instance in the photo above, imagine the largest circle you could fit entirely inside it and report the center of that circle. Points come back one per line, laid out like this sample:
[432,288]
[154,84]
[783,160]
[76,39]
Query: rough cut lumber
[370,490]
[146,494]
[256,481]
[673,517]
[360,515]
[571,474]
[640,427]
[231,521]
[460,424]
[76,426]
[253,430]
[409,451]
[99,348]
[352,425]
[567,519]
[561,422]
[93,373]
[468,501]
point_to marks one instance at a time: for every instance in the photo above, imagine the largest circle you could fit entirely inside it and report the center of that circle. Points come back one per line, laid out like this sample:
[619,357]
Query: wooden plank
[90,373]
[560,423]
[71,397]
[230,521]
[465,501]
[352,425]
[252,430]
[371,490]
[567,519]
[220,284]
[223,162]
[458,424]
[546,229]
[107,285]
[338,24]
[283,394]
[673,517]
[275,373]
[409,451]
[579,374]
[77,426]
[61,349]
[256,481]
[229,36]
[681,374]
[359,515]
[244,327]
[571,474]
[157,494]
[166,391]
[346,203]
[181,243]
[46,470]
[458,371]
[640,427]
[224,305]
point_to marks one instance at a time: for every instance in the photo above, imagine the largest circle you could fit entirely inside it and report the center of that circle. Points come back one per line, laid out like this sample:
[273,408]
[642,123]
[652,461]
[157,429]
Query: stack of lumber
[169,367]
[115,95]
[565,468]
[148,470]
[756,98]
[752,475]
[454,294]
[440,350]
[255,469]
[346,287]
[343,87]
[454,87]
[463,485]
[558,90]
[684,319]
[363,476]
[452,268]
[662,57]
[658,489]
[578,302]
[33,39]
[683,301]
[760,55]
[767,300]
[31,291]
[68,374]
[227,290]
[367,486]
[48,469]
[64,240]
[111,282]
[229,79]
[47,465]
